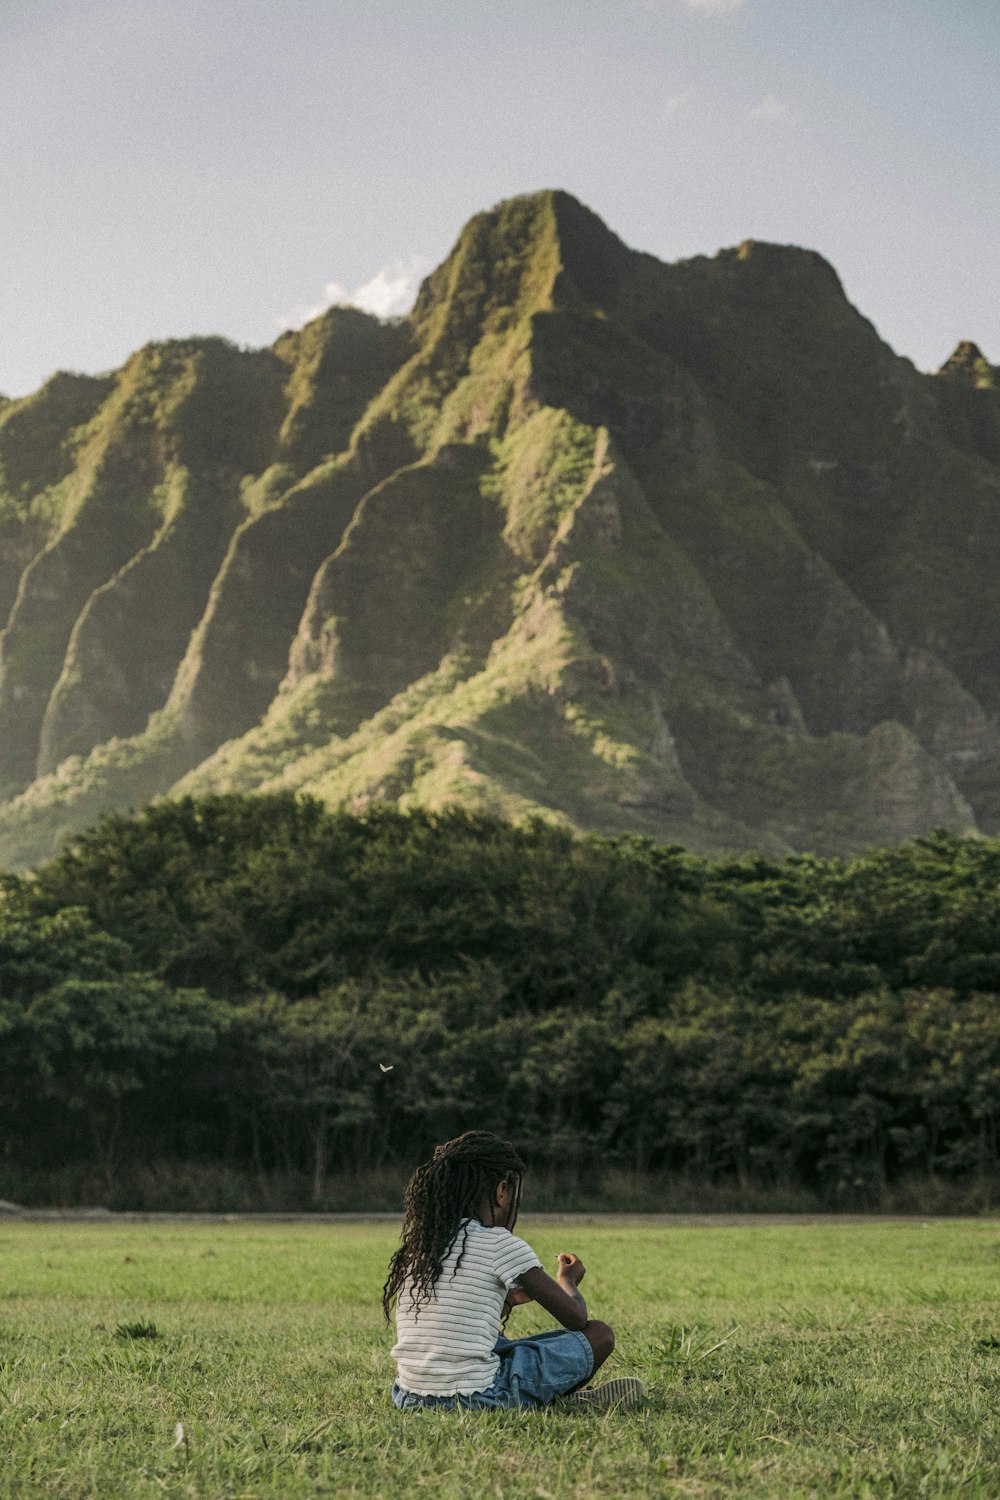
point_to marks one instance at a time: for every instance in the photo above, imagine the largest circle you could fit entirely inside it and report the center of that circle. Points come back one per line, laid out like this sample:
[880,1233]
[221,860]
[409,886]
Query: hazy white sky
[170,167]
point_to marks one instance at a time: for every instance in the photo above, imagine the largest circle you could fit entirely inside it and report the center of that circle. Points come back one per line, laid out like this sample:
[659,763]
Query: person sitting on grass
[460,1268]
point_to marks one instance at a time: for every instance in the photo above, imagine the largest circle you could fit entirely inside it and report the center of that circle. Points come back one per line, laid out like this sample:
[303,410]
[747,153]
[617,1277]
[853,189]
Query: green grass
[783,1361]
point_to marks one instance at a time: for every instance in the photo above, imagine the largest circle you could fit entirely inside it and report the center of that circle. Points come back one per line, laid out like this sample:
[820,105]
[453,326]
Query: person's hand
[572,1267]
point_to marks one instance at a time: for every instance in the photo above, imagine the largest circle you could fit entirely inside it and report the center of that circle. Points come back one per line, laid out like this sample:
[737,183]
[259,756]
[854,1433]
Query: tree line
[265,984]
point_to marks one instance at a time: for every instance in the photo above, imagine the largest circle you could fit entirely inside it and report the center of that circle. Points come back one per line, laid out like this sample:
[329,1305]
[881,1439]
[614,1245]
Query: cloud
[703,7]
[391,290]
[304,312]
[386,294]
[714,7]
[771,108]
[674,103]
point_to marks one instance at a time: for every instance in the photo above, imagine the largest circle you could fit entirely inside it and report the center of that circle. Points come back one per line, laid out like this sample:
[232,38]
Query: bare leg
[601,1338]
[622,1394]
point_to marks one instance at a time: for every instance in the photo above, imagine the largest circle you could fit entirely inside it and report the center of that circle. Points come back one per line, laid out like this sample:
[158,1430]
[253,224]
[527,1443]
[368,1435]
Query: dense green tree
[85,1060]
[263,982]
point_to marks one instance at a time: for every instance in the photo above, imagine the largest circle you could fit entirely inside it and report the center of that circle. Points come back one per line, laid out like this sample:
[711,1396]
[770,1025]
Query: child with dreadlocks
[459,1268]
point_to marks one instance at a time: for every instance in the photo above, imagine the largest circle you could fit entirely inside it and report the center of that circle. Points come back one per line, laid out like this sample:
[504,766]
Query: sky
[177,167]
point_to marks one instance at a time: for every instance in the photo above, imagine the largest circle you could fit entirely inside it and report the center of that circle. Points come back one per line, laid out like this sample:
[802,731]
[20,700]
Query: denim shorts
[533,1372]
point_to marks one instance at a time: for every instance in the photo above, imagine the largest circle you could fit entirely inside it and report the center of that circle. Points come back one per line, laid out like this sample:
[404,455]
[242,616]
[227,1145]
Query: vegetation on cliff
[679,550]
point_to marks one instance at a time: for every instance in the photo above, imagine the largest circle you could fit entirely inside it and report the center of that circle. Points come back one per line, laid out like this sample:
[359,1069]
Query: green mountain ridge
[683,550]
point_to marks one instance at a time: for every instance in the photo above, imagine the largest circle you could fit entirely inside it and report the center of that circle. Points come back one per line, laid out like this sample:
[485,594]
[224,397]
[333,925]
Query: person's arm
[516,1297]
[559,1295]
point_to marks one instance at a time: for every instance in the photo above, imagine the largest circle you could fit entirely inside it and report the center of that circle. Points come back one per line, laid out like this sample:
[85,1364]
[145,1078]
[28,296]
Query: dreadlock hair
[439,1195]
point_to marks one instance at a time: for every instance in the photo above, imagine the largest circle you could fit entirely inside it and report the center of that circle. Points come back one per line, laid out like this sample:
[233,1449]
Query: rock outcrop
[684,550]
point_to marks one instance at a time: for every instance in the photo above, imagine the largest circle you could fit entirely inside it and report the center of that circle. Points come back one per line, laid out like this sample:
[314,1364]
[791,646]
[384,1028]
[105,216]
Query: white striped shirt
[447,1348]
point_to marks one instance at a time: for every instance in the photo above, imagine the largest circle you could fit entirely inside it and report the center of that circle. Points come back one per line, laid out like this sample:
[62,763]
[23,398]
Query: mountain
[678,549]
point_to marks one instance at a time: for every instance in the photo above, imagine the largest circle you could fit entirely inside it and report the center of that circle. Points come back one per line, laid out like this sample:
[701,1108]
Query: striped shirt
[447,1348]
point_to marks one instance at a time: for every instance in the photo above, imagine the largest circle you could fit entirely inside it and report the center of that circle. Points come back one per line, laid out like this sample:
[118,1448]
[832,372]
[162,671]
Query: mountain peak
[966,353]
[515,253]
[770,260]
[593,257]
[968,363]
[673,549]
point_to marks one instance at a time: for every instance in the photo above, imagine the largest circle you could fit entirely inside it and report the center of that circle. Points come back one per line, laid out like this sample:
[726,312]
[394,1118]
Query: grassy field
[250,1360]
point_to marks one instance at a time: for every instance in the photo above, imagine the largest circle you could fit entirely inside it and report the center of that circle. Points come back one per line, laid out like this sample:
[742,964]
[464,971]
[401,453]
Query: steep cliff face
[682,549]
